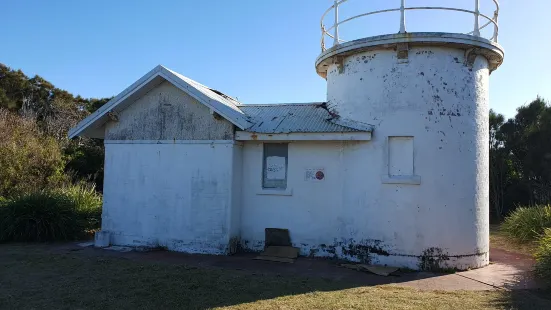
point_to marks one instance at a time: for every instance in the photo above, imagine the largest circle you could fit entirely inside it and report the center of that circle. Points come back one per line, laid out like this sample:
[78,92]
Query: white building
[392,169]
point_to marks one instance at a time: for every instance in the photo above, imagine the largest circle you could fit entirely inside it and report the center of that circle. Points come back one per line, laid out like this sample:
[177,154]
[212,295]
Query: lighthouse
[426,94]
[392,169]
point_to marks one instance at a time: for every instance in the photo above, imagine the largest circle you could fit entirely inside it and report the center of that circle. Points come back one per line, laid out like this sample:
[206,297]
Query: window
[400,156]
[274,167]
[400,161]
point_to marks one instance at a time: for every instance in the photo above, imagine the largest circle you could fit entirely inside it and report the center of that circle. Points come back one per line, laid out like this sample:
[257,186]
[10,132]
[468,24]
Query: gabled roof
[267,118]
[301,117]
[218,102]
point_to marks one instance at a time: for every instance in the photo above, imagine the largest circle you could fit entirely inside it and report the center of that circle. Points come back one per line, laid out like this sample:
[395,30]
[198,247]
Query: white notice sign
[275,168]
[314,175]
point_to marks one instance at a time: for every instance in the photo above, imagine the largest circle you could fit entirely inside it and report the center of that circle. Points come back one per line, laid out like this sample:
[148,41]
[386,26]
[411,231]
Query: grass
[60,214]
[40,277]
[532,226]
[499,239]
[543,258]
[527,223]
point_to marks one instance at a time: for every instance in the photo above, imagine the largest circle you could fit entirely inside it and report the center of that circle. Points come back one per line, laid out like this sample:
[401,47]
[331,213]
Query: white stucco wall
[170,173]
[439,215]
[416,195]
[168,113]
[235,214]
[176,195]
[310,212]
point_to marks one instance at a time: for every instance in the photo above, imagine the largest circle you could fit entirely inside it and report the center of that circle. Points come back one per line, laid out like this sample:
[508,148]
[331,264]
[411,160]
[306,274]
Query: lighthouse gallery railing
[333,31]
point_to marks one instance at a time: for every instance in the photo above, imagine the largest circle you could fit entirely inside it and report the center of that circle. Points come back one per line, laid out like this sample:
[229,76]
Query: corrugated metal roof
[229,104]
[288,118]
[268,118]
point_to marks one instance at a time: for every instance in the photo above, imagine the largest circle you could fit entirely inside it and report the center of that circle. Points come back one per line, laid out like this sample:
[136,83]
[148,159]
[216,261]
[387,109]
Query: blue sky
[261,51]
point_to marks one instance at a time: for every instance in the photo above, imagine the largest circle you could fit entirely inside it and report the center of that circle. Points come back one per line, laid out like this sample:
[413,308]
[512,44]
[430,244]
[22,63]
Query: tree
[520,157]
[499,164]
[29,159]
[54,111]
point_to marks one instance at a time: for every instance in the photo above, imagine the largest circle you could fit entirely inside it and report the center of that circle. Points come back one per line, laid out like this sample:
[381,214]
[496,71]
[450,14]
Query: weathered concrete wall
[177,195]
[167,113]
[437,216]
[312,210]
[235,218]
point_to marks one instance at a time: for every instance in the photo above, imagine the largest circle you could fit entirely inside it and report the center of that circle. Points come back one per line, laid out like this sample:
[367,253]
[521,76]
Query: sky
[260,51]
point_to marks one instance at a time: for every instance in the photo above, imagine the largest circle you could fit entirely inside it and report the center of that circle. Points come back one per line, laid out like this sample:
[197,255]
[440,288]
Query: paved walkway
[506,271]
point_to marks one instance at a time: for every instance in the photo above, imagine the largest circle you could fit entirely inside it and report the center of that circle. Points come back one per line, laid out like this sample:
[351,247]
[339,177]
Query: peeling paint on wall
[167,113]
[191,198]
[434,98]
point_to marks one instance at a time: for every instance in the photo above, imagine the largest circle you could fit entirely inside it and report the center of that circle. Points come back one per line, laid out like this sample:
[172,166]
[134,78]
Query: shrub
[29,160]
[543,257]
[86,200]
[50,215]
[527,223]
[84,160]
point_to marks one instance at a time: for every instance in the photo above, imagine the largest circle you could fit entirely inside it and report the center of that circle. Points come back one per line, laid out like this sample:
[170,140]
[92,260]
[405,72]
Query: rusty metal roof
[303,117]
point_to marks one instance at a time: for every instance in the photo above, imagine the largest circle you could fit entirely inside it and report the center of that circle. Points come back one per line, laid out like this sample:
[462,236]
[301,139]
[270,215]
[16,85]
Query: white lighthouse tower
[426,94]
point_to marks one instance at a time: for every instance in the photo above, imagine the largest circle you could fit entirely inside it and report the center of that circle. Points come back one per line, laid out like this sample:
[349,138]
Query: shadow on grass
[524,299]
[44,277]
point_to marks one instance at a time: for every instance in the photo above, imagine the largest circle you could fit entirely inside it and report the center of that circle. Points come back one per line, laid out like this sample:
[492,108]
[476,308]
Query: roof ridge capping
[209,88]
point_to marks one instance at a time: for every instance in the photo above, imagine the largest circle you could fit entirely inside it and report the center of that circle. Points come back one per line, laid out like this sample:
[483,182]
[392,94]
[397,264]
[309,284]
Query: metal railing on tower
[333,31]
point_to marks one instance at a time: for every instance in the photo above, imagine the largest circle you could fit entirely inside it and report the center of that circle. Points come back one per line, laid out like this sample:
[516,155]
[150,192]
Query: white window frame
[387,178]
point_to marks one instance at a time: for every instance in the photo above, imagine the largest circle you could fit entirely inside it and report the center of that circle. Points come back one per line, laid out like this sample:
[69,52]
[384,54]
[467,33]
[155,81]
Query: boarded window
[275,165]
[400,156]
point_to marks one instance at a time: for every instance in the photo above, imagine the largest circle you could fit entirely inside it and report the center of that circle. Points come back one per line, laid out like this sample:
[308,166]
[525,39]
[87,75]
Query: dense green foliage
[68,213]
[543,257]
[29,159]
[520,175]
[520,158]
[533,224]
[42,196]
[35,152]
[527,223]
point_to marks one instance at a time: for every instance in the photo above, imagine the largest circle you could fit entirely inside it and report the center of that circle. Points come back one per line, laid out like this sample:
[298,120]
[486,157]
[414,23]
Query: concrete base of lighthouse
[435,260]
[427,96]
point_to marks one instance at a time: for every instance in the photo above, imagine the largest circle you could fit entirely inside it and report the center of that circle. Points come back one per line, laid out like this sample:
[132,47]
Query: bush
[543,257]
[84,160]
[86,200]
[527,223]
[51,215]
[29,160]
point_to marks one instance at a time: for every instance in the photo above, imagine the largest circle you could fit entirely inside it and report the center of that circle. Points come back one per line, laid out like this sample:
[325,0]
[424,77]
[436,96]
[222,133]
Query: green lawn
[37,277]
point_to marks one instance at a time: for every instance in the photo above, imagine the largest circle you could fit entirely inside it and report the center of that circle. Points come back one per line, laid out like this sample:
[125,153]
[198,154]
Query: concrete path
[507,270]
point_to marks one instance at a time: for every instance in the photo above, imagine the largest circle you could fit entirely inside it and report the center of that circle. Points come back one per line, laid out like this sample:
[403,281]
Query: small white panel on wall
[400,156]
[275,168]
[314,174]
